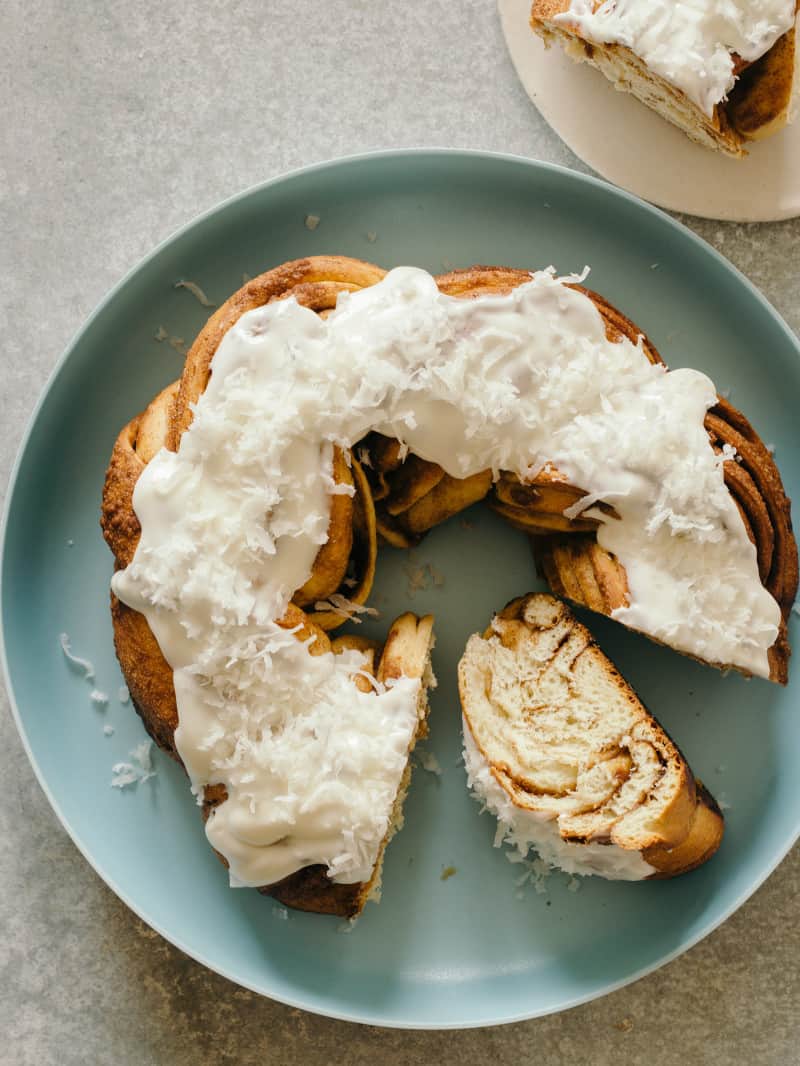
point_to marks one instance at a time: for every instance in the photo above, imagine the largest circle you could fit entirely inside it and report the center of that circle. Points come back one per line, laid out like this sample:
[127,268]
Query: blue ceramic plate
[465,950]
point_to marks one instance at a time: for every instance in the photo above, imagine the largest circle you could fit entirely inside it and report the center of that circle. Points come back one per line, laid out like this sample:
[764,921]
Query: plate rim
[380,1018]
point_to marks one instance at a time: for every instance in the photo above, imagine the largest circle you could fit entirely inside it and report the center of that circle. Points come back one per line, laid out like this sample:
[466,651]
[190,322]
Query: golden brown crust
[701,842]
[147,675]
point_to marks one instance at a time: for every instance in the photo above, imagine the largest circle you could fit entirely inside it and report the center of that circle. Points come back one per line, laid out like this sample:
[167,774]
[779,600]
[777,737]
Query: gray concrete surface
[119,122]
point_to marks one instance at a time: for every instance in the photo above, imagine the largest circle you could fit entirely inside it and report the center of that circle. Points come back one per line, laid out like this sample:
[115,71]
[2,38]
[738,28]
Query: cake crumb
[466,524]
[178,344]
[624,1026]
[312,221]
[281,912]
[437,577]
[160,334]
[372,236]
[347,927]
[573,884]
[448,872]
[423,576]
[108,730]
[123,695]
[429,763]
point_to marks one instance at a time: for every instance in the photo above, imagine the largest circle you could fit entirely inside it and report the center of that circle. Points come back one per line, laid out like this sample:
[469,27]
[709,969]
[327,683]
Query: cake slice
[559,748]
[671,60]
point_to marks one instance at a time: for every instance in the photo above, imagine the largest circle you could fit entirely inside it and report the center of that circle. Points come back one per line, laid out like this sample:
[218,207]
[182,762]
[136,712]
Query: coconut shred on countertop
[232,522]
[689,44]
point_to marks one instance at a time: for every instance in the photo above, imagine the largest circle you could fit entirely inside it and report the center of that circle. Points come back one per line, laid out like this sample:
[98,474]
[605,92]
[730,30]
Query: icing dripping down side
[689,44]
[232,522]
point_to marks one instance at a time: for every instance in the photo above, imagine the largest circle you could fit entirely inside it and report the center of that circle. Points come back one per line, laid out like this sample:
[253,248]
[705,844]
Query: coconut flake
[76,660]
[196,291]
[139,769]
[98,698]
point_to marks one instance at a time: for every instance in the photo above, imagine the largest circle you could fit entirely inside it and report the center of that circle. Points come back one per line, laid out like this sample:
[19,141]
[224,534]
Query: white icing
[687,43]
[524,829]
[232,522]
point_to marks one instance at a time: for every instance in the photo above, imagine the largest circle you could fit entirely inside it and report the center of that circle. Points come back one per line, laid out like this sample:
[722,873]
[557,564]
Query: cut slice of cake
[722,73]
[559,748]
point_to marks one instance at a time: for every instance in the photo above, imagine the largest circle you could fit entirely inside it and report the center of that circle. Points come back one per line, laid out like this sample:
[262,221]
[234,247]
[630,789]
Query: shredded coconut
[76,660]
[138,770]
[196,291]
[339,604]
[123,695]
[108,730]
[98,698]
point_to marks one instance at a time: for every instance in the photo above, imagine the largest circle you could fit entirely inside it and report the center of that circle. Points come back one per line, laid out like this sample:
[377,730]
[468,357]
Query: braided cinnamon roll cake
[328,406]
